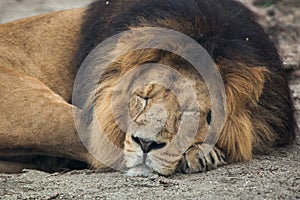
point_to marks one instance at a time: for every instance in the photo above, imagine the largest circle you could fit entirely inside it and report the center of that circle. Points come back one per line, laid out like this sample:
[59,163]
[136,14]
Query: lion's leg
[34,120]
[236,141]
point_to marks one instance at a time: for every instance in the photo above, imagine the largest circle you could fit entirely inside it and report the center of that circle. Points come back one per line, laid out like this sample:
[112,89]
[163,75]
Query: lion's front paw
[198,158]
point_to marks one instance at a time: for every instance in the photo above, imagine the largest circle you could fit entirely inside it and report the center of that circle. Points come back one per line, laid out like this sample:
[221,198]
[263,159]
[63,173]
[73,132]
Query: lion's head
[152,104]
[143,119]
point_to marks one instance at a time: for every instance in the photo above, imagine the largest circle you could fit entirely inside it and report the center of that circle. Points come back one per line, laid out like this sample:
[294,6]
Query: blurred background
[16,9]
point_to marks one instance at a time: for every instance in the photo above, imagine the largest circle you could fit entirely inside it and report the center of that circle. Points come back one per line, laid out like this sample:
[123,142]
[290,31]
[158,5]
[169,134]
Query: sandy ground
[273,176]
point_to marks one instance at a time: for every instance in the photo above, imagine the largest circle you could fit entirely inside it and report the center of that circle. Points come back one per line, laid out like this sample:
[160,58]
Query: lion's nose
[146,145]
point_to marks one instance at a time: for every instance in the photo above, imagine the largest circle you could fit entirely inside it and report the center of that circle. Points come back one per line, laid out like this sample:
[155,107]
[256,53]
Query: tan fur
[243,88]
[36,81]
[42,47]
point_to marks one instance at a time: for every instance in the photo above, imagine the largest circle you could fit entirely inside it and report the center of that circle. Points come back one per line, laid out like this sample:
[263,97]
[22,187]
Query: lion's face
[157,116]
[157,113]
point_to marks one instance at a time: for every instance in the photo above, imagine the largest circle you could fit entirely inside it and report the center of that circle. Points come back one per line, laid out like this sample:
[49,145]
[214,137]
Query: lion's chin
[141,170]
[141,165]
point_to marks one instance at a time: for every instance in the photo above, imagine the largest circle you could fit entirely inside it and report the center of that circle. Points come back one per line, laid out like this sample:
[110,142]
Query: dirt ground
[273,176]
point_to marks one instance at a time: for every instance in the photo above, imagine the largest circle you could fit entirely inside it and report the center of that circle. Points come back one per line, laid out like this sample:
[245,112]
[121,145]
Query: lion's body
[36,70]
[39,58]
[23,48]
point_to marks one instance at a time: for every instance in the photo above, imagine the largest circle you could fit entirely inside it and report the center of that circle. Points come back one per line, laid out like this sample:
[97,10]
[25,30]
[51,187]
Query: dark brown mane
[225,28]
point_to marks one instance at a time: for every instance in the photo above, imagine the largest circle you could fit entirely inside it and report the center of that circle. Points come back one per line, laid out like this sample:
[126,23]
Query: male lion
[40,57]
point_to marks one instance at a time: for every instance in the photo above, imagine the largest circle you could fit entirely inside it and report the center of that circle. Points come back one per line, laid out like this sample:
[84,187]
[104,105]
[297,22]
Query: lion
[41,56]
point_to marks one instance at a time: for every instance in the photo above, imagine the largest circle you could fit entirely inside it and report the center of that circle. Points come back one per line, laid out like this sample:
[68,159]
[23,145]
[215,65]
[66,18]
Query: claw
[195,160]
